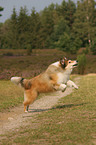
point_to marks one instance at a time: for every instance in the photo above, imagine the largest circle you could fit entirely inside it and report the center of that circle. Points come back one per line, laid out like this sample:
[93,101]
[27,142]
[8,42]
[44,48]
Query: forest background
[68,27]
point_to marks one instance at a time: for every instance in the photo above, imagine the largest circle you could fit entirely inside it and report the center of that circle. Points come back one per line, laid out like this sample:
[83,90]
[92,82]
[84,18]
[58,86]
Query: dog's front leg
[72,84]
[60,87]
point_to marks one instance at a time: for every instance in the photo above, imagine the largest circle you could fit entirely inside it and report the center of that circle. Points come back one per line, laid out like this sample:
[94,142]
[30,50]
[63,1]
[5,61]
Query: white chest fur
[62,78]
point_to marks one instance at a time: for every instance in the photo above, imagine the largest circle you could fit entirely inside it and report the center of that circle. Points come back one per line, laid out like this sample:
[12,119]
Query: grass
[10,95]
[71,122]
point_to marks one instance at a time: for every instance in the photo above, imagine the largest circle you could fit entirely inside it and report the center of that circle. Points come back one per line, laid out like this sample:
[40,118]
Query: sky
[39,5]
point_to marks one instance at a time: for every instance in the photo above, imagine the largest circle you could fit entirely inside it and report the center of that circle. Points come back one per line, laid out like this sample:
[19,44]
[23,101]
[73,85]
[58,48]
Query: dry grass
[27,66]
[18,63]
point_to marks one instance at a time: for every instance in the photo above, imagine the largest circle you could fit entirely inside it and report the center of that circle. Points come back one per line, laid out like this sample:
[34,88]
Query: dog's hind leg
[27,108]
[29,98]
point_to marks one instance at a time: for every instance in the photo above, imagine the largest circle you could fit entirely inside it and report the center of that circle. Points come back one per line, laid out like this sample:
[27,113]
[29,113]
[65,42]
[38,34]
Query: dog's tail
[22,82]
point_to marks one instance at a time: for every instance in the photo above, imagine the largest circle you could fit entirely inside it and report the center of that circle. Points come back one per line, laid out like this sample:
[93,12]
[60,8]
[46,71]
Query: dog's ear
[63,62]
[65,58]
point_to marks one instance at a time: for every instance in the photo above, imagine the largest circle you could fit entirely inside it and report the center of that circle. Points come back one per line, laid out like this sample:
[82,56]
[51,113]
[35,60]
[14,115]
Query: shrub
[8,54]
[29,49]
[81,63]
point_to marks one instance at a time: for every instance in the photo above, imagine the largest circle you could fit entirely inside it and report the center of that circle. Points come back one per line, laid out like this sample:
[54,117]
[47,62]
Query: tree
[71,9]
[1,9]
[59,30]
[93,46]
[5,36]
[83,26]
[23,24]
[12,35]
[10,32]
[34,30]
[3,31]
[67,10]
[64,42]
[75,44]
[47,26]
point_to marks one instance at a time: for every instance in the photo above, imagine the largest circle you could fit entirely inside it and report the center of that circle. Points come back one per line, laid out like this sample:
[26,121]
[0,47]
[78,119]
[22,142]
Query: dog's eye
[69,61]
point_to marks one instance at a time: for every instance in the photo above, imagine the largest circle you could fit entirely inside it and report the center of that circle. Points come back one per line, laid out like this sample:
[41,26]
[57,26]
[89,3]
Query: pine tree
[3,32]
[13,33]
[1,9]
[58,34]
[47,26]
[83,26]
[10,38]
[34,30]
[23,20]
[67,10]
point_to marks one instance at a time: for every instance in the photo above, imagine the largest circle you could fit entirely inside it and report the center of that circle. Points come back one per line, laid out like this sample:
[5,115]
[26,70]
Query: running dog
[55,78]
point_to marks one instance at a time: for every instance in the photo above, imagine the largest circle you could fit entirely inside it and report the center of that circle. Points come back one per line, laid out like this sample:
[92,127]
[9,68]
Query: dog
[55,78]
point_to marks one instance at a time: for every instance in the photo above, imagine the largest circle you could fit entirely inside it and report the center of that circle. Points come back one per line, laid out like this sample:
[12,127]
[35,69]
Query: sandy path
[16,117]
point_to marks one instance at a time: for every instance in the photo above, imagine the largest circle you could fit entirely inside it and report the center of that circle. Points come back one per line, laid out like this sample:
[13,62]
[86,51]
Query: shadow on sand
[57,107]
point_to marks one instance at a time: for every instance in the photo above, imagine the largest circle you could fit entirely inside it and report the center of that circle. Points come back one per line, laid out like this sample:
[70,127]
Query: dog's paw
[76,87]
[26,111]
[63,89]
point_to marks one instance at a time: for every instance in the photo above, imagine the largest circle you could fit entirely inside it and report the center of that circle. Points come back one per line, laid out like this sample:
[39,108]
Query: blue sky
[8,6]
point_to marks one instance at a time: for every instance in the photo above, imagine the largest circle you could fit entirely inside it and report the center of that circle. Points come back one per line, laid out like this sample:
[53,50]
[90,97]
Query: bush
[81,63]
[8,54]
[29,49]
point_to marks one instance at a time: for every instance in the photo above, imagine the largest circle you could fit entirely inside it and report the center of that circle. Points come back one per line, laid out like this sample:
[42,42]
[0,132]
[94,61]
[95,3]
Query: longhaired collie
[55,78]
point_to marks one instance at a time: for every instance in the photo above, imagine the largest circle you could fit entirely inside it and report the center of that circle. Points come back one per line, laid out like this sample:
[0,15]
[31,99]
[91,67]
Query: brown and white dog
[55,78]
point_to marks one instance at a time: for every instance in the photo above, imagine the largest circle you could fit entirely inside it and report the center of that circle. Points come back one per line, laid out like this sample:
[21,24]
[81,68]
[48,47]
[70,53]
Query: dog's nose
[77,61]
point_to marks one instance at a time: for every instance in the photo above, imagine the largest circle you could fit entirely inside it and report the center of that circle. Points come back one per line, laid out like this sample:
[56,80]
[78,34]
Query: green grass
[71,122]
[10,95]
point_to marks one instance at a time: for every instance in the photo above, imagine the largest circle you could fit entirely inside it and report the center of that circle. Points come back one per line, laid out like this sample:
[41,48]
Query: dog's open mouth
[75,65]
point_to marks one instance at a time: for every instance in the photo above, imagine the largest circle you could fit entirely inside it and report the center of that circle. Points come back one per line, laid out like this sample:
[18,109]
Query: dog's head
[65,63]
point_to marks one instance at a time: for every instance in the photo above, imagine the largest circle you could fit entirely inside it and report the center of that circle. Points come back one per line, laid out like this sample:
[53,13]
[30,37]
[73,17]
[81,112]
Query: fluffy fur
[55,78]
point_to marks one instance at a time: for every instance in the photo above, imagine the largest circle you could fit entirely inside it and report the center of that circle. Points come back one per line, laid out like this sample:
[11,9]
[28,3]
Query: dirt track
[16,117]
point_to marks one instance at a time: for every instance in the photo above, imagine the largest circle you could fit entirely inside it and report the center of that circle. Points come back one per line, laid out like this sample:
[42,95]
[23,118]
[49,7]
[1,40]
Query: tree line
[68,26]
